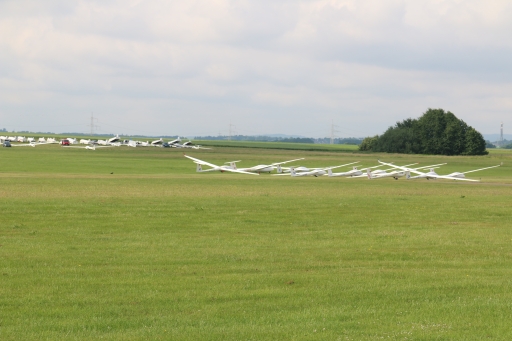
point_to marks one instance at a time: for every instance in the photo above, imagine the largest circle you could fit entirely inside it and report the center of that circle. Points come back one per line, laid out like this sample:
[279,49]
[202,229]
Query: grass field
[281,145]
[156,251]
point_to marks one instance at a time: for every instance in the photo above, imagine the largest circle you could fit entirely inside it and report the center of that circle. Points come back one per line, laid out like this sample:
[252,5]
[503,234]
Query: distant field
[281,145]
[132,244]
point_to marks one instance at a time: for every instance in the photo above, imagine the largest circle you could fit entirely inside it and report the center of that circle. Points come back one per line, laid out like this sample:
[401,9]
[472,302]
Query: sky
[192,68]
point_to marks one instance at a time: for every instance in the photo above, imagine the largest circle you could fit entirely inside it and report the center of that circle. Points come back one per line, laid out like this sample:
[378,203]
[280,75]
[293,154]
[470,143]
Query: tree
[368,143]
[475,143]
[489,145]
[435,132]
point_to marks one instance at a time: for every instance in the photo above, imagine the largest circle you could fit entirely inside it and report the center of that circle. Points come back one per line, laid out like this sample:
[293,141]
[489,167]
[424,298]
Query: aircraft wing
[402,168]
[223,169]
[431,166]
[450,178]
[348,164]
[236,171]
[201,162]
[282,163]
[257,168]
[358,176]
[476,170]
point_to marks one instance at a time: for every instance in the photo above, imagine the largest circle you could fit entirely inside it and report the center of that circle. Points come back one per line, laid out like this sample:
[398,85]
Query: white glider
[316,172]
[380,171]
[222,169]
[262,168]
[433,175]
[31,144]
[395,174]
[351,173]
[90,147]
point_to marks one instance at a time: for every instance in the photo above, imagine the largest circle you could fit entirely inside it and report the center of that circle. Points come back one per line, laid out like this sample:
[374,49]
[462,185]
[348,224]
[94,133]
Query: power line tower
[501,135]
[333,131]
[93,125]
[231,131]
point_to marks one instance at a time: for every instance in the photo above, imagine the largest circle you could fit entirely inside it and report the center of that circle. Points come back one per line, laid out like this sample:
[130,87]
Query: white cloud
[173,67]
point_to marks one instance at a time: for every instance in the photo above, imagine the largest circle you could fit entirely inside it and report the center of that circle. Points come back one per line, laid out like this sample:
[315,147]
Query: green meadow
[133,244]
[280,145]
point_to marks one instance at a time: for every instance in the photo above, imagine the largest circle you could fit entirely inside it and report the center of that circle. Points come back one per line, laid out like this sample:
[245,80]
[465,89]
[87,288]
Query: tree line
[436,132]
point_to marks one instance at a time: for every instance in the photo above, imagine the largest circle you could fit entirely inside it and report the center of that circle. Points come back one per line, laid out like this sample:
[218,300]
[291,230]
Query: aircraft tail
[279,169]
[407,175]
[292,171]
[232,165]
[329,172]
[369,173]
[199,168]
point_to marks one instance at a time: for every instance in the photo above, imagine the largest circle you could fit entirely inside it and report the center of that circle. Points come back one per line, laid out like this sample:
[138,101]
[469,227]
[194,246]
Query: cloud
[291,67]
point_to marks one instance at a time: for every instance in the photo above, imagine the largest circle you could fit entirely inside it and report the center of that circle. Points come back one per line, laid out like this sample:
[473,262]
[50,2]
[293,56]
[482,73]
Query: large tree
[435,132]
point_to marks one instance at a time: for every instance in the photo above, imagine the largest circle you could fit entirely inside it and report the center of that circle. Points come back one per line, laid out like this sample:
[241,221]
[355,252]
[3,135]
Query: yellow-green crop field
[133,244]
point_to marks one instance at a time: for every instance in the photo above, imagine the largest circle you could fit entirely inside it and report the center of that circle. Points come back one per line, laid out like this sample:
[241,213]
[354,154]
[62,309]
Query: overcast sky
[162,67]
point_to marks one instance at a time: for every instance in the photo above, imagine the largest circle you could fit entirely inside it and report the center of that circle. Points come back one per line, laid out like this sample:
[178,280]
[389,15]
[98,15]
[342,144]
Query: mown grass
[156,251]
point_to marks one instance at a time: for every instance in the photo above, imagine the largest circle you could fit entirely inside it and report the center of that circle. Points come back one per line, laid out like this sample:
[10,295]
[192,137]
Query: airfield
[132,244]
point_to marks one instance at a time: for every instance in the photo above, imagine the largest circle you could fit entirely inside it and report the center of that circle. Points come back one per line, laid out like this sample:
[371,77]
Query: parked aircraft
[201,163]
[176,141]
[91,146]
[350,173]
[157,142]
[31,144]
[432,175]
[394,172]
[460,175]
[114,139]
[188,144]
[317,172]
[380,171]
[286,170]
[261,168]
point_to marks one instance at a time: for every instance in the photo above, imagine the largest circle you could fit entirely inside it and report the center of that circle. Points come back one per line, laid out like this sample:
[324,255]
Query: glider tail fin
[199,168]
[407,175]
[279,169]
[329,172]
[369,173]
